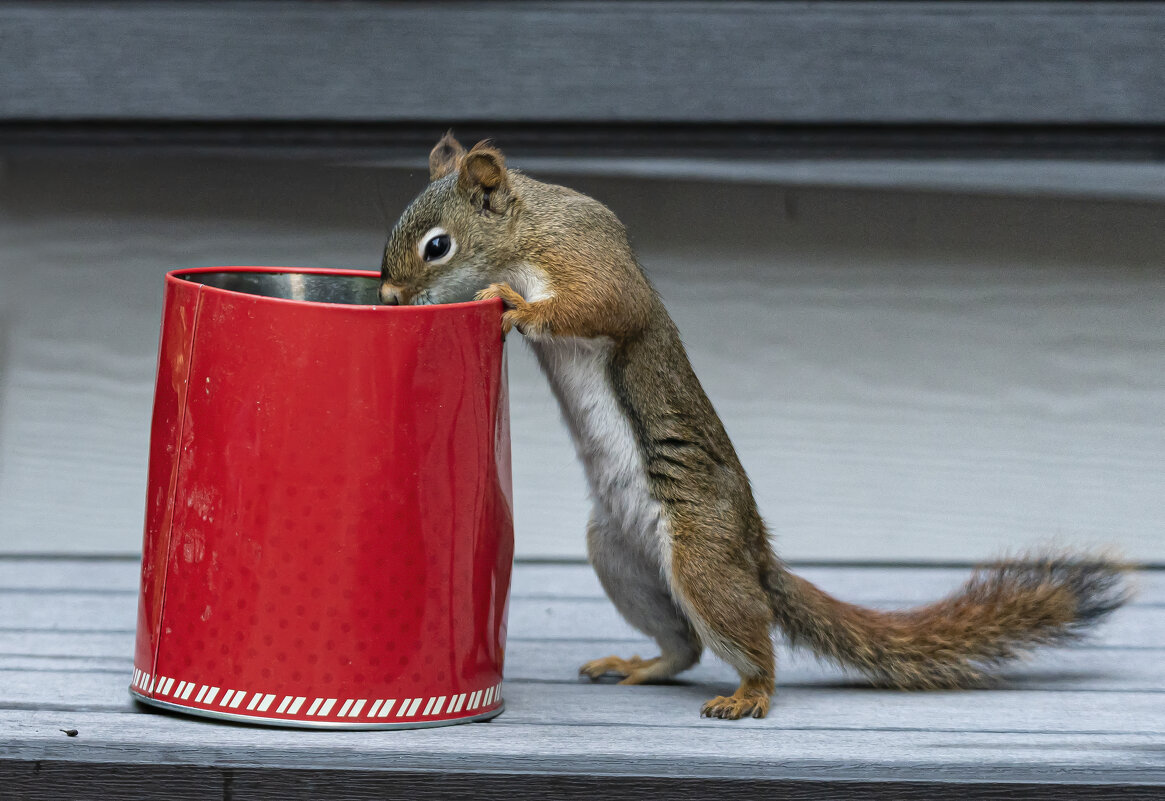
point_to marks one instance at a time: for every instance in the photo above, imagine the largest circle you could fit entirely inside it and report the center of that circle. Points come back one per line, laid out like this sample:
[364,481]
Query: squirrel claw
[510,322]
[509,297]
[515,306]
[734,707]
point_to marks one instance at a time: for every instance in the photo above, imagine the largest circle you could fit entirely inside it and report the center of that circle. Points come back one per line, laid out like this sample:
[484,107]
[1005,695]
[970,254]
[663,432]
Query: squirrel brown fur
[675,536]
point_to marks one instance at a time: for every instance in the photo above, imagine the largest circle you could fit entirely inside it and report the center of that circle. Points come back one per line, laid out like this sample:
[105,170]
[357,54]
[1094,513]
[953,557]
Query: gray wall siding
[849,62]
[908,376]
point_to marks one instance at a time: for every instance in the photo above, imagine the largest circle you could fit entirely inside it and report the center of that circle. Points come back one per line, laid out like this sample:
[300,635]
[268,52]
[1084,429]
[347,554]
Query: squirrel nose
[391,295]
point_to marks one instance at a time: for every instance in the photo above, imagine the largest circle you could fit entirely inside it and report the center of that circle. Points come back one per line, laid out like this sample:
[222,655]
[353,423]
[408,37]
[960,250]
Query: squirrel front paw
[518,313]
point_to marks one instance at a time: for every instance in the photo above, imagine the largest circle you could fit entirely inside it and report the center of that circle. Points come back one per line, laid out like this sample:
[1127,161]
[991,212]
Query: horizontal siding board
[801,708]
[538,618]
[924,155]
[876,585]
[573,620]
[908,377]
[55,780]
[56,574]
[1052,671]
[556,662]
[631,747]
[833,62]
[886,586]
[86,645]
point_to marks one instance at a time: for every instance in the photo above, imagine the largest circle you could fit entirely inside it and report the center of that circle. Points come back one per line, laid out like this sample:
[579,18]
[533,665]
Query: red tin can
[328,534]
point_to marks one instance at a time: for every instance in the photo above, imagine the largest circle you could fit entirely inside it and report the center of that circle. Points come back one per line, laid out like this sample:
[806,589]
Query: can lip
[374,308]
[284,723]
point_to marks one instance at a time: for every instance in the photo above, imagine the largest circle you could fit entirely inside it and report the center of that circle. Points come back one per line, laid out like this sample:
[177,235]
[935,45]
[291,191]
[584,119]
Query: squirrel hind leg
[730,612]
[637,589]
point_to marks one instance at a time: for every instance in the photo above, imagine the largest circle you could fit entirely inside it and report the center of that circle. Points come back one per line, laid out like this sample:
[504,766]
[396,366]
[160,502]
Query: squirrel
[674,534]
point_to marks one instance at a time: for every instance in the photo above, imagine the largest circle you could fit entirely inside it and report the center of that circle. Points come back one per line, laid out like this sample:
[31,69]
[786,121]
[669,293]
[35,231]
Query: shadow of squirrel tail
[999,614]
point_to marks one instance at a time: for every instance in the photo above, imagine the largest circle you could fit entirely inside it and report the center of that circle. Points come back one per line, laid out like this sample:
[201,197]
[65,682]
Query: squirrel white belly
[675,536]
[577,369]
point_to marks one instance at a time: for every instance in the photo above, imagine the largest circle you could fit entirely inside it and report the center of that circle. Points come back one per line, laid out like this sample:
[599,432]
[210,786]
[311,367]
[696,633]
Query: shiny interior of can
[314,287]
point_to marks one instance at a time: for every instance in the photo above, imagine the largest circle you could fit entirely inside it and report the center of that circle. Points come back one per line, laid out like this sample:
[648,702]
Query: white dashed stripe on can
[356,710]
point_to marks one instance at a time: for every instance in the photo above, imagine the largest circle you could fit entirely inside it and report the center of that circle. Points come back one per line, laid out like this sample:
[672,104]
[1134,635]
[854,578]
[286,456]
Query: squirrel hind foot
[615,666]
[734,707]
[751,699]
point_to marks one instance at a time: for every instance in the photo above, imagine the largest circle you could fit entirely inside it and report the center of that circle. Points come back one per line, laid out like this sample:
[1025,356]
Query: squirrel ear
[484,166]
[445,156]
[484,170]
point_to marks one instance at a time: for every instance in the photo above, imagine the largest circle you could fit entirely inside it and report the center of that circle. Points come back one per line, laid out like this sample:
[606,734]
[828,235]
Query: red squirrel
[674,535]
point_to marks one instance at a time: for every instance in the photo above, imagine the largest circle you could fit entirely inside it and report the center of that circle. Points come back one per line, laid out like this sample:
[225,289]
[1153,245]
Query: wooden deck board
[551,602]
[629,748]
[1078,669]
[884,586]
[633,745]
[1086,718]
[544,619]
[835,707]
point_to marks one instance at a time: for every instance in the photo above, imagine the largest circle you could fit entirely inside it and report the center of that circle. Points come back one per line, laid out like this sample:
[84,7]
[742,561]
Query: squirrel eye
[437,246]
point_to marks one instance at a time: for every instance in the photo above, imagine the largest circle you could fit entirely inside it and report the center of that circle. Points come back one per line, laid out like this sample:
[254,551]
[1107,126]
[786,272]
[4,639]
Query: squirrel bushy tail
[1001,612]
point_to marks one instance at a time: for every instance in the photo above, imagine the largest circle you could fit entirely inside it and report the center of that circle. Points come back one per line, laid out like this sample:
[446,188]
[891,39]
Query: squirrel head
[455,237]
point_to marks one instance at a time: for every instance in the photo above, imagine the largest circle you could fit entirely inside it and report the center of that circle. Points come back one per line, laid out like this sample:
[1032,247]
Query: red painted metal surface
[328,535]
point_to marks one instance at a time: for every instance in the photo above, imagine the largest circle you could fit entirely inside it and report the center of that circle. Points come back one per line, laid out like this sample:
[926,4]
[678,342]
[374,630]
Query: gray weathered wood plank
[886,586]
[630,747]
[45,644]
[1079,667]
[53,780]
[1077,718]
[569,619]
[802,707]
[99,575]
[1012,177]
[1072,669]
[556,661]
[873,62]
[1134,626]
